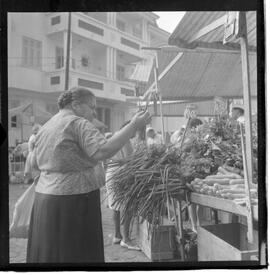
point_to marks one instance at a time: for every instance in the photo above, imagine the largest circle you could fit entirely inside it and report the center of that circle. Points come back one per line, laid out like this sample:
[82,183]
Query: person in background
[167,137]
[111,167]
[176,136]
[28,173]
[237,113]
[194,211]
[32,139]
[139,141]
[194,123]
[65,224]
[152,137]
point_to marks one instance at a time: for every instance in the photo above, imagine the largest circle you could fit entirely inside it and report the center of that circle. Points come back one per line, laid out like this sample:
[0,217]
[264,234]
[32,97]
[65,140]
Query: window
[127,92]
[90,84]
[55,80]
[120,72]
[85,61]
[73,63]
[91,28]
[55,20]
[120,25]
[137,30]
[99,111]
[14,122]
[31,53]
[59,57]
[108,118]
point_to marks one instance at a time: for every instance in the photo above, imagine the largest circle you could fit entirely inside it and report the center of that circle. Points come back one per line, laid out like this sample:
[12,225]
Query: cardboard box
[226,242]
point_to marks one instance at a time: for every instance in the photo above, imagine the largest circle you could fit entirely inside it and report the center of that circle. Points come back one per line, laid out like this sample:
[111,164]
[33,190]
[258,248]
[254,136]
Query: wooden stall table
[225,241]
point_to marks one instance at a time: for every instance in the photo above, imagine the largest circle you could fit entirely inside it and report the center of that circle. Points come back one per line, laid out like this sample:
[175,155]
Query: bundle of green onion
[145,181]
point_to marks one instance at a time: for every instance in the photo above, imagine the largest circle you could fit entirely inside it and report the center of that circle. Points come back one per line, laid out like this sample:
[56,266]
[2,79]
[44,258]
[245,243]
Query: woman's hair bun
[76,93]
[64,99]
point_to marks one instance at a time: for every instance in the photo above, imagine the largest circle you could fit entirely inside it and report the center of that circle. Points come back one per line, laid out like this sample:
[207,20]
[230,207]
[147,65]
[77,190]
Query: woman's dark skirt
[66,229]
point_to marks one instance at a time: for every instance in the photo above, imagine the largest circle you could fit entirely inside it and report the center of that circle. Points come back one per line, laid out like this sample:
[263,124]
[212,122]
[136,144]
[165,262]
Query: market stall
[212,165]
[228,32]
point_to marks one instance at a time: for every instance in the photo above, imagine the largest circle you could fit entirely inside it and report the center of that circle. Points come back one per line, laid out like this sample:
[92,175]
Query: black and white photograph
[133,138]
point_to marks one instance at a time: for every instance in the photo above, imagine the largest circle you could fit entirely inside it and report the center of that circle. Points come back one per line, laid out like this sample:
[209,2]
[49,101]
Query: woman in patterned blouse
[65,224]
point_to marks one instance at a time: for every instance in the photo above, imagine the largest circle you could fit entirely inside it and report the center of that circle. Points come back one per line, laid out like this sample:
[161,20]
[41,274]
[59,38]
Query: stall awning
[203,75]
[142,71]
[30,109]
[206,30]
[20,109]
[205,68]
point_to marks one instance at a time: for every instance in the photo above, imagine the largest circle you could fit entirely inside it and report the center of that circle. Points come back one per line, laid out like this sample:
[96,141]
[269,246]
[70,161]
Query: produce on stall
[209,162]
[146,181]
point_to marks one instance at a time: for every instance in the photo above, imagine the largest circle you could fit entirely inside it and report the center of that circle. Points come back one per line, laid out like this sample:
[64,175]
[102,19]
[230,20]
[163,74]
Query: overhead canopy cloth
[203,75]
[206,68]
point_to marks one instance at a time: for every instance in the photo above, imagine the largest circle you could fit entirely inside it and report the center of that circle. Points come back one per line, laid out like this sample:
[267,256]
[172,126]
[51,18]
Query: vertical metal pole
[247,103]
[68,52]
[160,97]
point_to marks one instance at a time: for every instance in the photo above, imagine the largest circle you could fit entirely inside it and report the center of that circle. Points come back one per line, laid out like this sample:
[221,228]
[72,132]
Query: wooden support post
[158,92]
[247,149]
[247,103]
[180,234]
[248,200]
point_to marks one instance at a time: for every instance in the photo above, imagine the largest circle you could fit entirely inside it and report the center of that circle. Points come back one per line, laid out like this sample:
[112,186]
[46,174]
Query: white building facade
[104,50]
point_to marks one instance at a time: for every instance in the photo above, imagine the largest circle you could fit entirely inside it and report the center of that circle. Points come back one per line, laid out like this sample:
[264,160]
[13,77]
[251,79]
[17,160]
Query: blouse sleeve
[89,138]
[31,143]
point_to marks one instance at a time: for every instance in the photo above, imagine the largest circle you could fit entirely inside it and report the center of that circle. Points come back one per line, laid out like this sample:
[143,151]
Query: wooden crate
[160,245]
[225,242]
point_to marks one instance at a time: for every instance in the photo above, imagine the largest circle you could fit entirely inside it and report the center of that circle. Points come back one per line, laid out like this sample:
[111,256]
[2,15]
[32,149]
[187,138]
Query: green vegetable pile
[149,178]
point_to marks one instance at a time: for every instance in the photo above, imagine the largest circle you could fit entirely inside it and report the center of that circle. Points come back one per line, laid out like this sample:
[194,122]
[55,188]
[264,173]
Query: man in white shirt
[152,137]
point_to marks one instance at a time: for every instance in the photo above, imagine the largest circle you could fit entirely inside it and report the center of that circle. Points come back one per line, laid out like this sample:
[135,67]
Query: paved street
[113,253]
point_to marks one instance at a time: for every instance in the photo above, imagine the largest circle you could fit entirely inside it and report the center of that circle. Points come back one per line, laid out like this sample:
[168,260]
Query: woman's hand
[141,119]
[120,138]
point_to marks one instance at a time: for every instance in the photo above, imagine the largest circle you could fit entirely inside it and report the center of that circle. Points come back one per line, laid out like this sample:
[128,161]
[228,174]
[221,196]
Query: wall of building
[21,24]
[97,57]
[28,84]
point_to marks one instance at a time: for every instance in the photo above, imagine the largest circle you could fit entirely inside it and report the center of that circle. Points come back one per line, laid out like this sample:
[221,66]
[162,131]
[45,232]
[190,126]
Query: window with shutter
[120,25]
[31,53]
[59,57]
[14,122]
[120,72]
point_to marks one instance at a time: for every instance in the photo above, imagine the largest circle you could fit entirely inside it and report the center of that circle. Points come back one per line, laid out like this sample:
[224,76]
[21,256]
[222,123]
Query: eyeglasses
[91,106]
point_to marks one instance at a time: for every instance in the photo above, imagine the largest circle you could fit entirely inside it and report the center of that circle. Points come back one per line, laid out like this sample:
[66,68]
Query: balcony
[130,23]
[56,22]
[88,56]
[99,16]
[125,65]
[90,28]
[102,87]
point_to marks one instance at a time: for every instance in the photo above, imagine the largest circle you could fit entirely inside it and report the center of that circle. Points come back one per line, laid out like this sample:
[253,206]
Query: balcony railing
[100,16]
